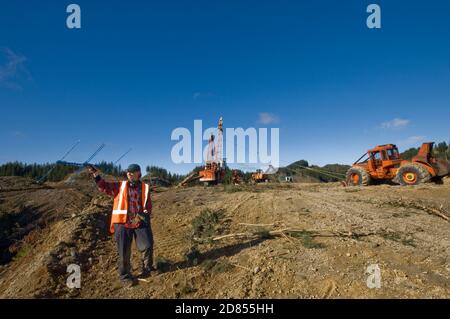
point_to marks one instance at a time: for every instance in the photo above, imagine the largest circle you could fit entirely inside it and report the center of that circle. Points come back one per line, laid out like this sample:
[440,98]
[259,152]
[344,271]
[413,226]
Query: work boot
[146,272]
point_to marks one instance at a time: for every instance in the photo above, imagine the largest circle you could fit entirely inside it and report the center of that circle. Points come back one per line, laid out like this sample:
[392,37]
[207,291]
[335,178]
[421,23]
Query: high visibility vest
[120,209]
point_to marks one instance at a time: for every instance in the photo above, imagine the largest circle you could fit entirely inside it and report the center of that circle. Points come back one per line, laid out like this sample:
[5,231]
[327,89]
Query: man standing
[130,219]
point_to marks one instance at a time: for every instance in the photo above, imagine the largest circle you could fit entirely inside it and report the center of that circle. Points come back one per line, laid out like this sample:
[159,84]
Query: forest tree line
[58,172]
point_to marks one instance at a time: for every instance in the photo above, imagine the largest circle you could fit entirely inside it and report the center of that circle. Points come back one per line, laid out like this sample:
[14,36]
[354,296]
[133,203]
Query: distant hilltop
[302,172]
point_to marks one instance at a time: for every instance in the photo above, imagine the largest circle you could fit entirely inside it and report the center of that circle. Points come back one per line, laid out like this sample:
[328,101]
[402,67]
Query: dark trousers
[144,240]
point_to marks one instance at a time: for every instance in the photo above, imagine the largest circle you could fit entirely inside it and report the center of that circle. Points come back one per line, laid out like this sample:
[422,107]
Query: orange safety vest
[120,209]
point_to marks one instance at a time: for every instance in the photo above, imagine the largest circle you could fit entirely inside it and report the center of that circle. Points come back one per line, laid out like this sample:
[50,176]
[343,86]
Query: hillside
[338,233]
[302,172]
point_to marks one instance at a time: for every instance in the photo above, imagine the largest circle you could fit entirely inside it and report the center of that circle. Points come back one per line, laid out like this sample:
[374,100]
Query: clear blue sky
[138,69]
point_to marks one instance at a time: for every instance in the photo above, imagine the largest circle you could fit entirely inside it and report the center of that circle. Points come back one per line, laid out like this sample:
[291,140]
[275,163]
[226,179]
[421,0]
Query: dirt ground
[339,233]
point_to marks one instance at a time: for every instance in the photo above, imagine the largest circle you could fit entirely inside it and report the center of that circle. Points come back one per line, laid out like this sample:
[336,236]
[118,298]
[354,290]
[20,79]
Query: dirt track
[344,231]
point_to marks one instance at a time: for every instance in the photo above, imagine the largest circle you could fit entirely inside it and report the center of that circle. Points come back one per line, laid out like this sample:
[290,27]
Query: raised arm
[109,188]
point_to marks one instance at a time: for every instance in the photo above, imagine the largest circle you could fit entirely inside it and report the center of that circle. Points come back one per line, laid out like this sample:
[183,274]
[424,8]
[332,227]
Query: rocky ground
[296,241]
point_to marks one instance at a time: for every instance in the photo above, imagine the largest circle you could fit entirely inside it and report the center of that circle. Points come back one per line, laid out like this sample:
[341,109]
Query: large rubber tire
[412,174]
[357,176]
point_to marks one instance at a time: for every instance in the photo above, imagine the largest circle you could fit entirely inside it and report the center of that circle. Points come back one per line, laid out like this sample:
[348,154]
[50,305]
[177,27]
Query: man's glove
[93,170]
[141,218]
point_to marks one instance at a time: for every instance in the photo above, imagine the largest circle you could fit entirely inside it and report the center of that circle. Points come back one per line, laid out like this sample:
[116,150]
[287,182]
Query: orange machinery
[384,163]
[214,170]
[260,177]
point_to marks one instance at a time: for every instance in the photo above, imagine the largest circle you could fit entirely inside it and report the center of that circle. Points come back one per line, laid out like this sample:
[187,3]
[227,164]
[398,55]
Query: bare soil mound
[261,241]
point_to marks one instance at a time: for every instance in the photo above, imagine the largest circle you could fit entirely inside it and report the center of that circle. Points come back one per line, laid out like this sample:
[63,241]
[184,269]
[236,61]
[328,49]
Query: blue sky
[137,70]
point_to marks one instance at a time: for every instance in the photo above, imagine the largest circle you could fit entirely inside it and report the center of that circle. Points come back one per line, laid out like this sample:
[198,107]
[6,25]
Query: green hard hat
[133,168]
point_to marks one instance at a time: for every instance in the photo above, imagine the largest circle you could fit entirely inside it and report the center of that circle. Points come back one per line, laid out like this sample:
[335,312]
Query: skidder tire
[412,174]
[357,176]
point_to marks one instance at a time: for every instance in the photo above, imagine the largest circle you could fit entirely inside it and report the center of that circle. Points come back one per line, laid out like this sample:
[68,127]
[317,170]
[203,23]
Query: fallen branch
[242,267]
[260,225]
[237,235]
[430,210]
[286,236]
[285,232]
[143,280]
[434,211]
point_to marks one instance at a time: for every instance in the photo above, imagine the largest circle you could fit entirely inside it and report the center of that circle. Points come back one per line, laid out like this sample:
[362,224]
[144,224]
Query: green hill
[302,172]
